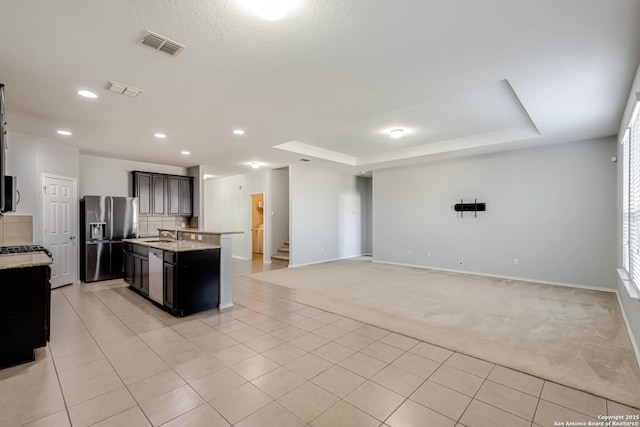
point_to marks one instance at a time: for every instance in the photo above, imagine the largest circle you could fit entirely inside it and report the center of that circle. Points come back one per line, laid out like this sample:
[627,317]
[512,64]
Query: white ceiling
[461,76]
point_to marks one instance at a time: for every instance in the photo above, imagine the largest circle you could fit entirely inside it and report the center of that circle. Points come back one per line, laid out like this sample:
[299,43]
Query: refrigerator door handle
[110,217]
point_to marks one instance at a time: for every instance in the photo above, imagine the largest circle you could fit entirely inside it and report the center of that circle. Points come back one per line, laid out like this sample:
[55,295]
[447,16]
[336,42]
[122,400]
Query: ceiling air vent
[123,89]
[161,43]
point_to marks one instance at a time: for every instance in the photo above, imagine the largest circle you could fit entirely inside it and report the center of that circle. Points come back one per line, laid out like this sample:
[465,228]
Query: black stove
[6,250]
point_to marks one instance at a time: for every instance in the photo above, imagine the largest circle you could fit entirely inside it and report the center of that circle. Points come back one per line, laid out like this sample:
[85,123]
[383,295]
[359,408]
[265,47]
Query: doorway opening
[257,226]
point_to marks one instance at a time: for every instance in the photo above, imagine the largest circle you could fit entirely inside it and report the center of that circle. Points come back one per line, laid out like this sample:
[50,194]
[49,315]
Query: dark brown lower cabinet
[26,315]
[136,267]
[191,279]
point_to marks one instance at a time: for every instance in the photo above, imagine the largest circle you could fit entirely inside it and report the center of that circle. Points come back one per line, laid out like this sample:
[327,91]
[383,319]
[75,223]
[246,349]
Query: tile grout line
[421,384]
[272,284]
[152,350]
[64,399]
[106,358]
[170,367]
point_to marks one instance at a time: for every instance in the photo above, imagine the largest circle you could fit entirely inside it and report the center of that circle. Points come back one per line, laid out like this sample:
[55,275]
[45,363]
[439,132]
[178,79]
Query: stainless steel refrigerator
[104,222]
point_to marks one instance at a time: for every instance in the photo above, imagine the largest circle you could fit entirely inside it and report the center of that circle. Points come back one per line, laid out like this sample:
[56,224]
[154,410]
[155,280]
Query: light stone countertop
[33,259]
[172,245]
[197,231]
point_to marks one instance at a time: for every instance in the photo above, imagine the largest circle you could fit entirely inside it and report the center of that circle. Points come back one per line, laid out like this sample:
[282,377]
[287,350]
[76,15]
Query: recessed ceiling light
[185,152]
[396,133]
[238,132]
[64,132]
[87,94]
[272,10]
[255,165]
[160,135]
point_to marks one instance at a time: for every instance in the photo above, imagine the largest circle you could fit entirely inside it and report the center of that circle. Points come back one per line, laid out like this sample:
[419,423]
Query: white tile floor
[117,360]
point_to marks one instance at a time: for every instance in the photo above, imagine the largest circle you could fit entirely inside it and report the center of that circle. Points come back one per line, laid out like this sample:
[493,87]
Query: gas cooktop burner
[4,250]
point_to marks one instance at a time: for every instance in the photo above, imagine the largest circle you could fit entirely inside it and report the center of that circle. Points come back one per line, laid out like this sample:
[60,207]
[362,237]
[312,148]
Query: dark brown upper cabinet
[142,190]
[160,194]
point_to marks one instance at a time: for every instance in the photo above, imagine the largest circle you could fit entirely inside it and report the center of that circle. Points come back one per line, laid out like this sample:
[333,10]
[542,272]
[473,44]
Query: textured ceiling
[329,76]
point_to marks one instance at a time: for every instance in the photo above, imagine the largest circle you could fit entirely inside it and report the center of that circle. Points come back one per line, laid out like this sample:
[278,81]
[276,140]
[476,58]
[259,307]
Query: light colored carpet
[571,336]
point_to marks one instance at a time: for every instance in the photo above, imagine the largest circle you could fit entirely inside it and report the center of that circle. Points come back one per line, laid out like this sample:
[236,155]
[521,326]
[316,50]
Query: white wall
[101,176]
[21,162]
[28,157]
[549,207]
[279,191]
[227,207]
[325,215]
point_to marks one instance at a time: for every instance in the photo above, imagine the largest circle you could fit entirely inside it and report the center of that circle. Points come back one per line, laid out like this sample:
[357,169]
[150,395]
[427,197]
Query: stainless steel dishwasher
[156,288]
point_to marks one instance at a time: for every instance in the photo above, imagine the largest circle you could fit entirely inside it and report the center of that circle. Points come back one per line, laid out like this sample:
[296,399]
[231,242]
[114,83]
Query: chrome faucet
[173,235]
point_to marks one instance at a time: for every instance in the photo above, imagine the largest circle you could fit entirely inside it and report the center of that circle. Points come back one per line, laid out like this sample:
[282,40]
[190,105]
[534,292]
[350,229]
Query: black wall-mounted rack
[474,207]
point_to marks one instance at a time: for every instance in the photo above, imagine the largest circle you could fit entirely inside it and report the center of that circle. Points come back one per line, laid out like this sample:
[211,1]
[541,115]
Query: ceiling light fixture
[255,165]
[271,10]
[64,132]
[160,135]
[185,152]
[396,133]
[87,94]
[238,132]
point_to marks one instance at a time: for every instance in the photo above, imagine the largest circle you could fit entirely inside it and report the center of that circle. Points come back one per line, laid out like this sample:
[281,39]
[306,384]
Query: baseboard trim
[223,306]
[322,262]
[240,257]
[522,279]
[634,343]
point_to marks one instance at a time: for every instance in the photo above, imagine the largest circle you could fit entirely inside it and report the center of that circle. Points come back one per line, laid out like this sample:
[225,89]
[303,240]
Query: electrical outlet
[183,225]
[428,253]
[199,236]
[193,236]
[321,250]
[460,262]
[409,252]
[516,261]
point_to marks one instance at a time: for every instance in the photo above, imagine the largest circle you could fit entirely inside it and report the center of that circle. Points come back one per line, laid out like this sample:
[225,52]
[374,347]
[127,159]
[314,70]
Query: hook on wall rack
[474,207]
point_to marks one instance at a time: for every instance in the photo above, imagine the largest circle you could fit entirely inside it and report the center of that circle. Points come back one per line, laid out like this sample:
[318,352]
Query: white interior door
[60,227]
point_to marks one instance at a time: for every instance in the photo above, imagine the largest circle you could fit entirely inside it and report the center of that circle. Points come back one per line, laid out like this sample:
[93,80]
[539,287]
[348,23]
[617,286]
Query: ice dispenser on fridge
[97,230]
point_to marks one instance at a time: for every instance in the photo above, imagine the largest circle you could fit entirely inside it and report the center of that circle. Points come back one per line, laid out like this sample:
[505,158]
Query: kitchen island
[183,277]
[26,295]
[215,237]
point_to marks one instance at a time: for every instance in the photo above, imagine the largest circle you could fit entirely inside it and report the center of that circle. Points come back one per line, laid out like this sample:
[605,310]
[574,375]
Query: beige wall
[16,230]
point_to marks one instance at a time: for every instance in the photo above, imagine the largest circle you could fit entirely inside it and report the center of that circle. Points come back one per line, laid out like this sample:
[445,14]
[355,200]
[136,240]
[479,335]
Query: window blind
[625,202]
[634,202]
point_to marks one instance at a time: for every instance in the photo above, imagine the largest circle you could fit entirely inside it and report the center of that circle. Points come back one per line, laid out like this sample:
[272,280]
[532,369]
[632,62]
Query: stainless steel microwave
[11,194]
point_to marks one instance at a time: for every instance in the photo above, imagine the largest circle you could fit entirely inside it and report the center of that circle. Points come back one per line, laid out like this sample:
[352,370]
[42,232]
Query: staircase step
[280,259]
[284,249]
[286,243]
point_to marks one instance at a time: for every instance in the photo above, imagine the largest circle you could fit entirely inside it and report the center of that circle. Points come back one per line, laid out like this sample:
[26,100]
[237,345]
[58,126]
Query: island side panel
[226,298]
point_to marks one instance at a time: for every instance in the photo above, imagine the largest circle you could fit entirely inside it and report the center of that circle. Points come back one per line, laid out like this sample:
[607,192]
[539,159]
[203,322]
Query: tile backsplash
[16,230]
[148,225]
